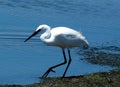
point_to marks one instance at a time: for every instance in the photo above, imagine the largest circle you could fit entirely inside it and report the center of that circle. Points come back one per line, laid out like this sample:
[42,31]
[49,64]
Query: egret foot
[47,72]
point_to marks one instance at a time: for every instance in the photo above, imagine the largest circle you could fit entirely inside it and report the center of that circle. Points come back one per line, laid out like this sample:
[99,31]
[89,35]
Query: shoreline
[99,79]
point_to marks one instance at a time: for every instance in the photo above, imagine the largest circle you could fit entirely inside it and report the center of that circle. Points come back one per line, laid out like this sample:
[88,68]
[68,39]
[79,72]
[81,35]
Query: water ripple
[69,6]
[15,38]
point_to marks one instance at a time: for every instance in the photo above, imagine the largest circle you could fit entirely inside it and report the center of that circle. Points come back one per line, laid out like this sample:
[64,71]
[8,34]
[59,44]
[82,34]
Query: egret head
[42,28]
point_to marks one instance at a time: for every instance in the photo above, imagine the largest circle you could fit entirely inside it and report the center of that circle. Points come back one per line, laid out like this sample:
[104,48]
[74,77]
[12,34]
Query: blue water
[23,63]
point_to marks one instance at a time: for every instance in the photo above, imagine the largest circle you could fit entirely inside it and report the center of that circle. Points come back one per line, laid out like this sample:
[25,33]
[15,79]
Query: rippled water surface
[23,63]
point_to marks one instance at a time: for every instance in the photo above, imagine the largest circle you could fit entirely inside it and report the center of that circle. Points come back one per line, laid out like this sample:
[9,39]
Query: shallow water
[23,63]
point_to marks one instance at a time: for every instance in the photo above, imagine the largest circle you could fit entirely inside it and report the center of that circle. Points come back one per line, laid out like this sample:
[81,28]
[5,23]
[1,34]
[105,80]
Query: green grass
[101,79]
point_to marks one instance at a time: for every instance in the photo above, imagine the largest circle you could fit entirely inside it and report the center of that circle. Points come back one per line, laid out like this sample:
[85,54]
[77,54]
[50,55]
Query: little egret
[62,37]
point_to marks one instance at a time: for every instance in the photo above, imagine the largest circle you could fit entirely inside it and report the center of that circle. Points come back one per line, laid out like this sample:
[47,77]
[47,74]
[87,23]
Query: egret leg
[51,68]
[69,62]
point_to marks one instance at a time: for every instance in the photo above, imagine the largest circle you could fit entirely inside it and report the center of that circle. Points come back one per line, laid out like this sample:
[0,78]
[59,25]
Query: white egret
[62,37]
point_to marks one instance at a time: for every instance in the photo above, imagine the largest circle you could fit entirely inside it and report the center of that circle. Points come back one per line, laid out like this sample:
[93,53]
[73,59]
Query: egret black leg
[68,64]
[51,68]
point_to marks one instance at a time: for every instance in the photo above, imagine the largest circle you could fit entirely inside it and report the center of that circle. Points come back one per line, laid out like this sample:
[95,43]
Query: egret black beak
[34,33]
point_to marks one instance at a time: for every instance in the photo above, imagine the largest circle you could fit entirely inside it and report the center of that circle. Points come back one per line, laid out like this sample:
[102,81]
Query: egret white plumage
[62,37]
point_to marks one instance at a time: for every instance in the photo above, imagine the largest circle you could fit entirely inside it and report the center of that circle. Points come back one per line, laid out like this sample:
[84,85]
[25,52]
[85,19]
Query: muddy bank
[100,79]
